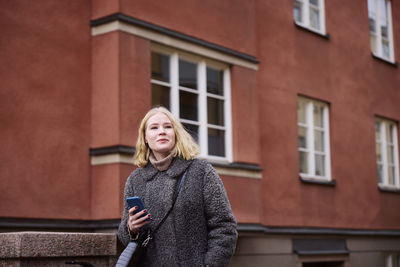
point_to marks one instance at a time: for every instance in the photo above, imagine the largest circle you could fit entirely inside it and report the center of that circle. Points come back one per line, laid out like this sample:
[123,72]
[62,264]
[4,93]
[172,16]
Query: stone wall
[58,249]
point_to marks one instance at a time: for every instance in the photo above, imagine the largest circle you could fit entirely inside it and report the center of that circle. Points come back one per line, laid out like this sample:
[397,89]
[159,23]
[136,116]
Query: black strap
[173,203]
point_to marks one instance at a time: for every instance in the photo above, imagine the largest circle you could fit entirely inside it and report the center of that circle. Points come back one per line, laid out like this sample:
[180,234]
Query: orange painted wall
[44,109]
[227,23]
[342,72]
[64,91]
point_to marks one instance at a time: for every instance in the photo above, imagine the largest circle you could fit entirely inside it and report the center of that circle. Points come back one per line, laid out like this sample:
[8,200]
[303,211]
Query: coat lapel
[160,188]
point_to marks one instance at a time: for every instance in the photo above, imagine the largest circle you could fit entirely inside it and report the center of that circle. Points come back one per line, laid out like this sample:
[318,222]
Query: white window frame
[383,144]
[309,125]
[202,64]
[378,33]
[305,14]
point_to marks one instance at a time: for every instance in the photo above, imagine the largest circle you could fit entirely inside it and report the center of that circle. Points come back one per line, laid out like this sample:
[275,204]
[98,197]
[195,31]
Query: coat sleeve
[221,223]
[123,234]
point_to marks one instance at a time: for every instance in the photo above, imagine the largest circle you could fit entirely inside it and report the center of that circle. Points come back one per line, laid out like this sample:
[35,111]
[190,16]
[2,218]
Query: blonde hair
[185,147]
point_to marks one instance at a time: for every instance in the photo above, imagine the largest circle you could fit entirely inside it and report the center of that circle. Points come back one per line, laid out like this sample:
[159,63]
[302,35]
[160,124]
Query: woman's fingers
[137,220]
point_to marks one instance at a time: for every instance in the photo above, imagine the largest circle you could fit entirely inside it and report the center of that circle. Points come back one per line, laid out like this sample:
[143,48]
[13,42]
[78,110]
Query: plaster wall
[206,19]
[44,109]
[340,71]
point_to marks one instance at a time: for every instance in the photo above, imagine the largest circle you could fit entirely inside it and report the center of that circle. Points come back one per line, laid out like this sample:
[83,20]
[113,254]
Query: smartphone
[136,201]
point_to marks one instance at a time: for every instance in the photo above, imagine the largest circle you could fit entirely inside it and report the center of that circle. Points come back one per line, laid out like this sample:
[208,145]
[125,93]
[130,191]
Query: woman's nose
[162,130]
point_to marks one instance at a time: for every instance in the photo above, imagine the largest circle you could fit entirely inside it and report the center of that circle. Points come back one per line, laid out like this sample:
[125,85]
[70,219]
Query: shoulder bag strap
[173,203]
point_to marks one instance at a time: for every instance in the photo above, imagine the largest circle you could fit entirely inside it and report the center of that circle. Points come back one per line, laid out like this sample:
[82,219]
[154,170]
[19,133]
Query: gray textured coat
[201,228]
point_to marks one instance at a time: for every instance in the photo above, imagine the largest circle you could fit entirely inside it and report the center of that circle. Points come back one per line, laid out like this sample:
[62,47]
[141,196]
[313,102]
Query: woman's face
[160,135]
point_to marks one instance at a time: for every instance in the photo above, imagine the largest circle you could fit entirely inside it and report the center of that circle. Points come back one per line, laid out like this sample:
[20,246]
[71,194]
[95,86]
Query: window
[197,91]
[380,27]
[387,157]
[310,14]
[313,139]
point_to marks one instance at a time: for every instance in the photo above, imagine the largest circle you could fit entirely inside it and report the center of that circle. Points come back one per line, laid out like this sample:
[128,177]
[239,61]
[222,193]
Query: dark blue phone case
[136,201]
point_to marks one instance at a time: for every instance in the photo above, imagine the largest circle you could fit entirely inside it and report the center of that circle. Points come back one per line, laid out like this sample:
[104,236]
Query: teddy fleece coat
[201,228]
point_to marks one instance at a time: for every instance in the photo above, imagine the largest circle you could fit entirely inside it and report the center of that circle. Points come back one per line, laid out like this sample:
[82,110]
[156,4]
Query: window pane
[390,154]
[385,49]
[377,130]
[160,95]
[320,165]
[303,162]
[319,140]
[391,171]
[380,173]
[159,67]
[384,31]
[389,132]
[187,74]
[215,81]
[302,137]
[378,153]
[314,2]
[373,44]
[215,111]
[193,130]
[216,142]
[188,105]
[314,18]
[372,25]
[301,111]
[318,116]
[297,7]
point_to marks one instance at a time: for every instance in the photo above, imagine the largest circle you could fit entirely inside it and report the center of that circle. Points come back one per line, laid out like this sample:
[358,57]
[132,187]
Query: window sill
[238,169]
[325,36]
[388,189]
[383,60]
[317,181]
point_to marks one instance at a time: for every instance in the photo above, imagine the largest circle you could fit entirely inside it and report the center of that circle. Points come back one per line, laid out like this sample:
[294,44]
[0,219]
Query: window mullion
[227,114]
[327,143]
[310,137]
[378,30]
[384,153]
[390,29]
[322,15]
[174,79]
[396,157]
[202,106]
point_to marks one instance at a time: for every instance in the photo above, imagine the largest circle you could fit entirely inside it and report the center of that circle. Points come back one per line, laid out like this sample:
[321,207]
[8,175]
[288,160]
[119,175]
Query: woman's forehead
[158,118]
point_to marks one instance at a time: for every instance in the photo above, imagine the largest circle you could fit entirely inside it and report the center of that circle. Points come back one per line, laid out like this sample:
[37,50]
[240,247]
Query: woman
[201,228]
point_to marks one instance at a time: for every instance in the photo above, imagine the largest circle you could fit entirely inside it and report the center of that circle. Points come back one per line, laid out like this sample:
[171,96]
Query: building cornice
[124,154]
[162,35]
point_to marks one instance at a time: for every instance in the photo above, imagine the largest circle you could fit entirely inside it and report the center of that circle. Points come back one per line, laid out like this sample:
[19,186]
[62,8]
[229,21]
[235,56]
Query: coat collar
[176,168]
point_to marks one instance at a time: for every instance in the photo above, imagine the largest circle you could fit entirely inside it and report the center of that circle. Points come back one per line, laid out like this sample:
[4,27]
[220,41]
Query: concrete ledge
[17,246]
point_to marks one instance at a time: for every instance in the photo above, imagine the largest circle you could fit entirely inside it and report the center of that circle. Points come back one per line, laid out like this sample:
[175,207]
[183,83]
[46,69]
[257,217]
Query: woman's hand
[136,221]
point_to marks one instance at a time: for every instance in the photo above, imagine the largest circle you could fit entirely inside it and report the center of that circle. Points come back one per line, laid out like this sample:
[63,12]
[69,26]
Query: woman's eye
[153,128]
